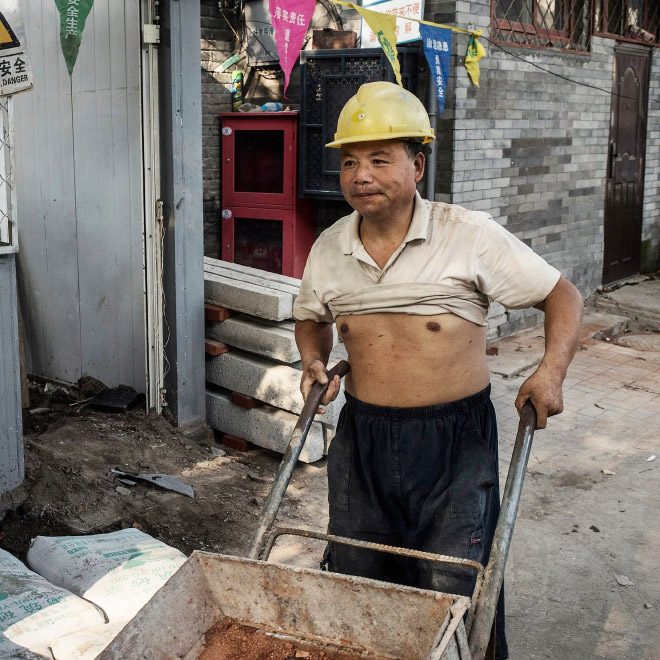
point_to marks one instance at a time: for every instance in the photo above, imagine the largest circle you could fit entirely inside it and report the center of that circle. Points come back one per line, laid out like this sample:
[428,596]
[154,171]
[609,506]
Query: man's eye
[347,163]
[377,161]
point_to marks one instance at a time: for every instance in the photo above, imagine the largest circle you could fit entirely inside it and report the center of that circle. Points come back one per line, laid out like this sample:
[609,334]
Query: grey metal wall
[11,431]
[79,181]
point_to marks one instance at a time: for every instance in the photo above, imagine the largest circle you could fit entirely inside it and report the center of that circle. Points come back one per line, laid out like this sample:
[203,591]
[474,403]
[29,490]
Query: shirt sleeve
[308,305]
[509,271]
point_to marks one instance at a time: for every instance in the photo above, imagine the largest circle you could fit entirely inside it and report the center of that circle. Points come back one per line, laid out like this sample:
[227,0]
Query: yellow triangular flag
[475,51]
[384,27]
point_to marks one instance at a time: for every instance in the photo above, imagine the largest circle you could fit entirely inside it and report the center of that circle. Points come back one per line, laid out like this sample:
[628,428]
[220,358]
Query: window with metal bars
[632,20]
[562,24]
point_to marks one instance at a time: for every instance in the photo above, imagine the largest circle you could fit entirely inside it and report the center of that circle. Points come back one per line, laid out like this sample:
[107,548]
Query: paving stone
[266,427]
[257,280]
[276,384]
[272,340]
[252,299]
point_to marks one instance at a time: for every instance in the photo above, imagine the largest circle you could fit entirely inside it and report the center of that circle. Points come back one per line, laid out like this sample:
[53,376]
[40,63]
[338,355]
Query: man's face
[379,178]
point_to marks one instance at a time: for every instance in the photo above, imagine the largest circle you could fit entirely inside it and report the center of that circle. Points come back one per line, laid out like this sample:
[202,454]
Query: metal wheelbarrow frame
[473,639]
[354,616]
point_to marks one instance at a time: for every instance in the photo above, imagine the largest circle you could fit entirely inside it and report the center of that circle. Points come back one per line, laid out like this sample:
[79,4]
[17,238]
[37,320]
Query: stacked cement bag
[117,572]
[262,363]
[34,612]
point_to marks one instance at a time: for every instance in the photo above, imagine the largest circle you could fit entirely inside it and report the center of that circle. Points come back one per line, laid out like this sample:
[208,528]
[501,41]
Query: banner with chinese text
[15,71]
[437,48]
[290,20]
[73,14]
[407,12]
[384,27]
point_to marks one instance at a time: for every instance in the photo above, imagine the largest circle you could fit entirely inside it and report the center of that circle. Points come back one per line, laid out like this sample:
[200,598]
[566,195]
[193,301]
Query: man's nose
[363,173]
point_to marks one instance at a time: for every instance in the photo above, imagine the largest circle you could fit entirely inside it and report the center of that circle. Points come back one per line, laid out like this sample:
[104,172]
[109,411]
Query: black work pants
[422,478]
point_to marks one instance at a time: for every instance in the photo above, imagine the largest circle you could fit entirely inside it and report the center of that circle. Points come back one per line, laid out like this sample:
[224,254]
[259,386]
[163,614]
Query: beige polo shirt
[452,261]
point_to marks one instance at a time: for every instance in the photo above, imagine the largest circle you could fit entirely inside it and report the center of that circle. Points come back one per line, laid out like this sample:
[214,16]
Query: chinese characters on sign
[73,14]
[406,30]
[437,49]
[15,71]
[290,20]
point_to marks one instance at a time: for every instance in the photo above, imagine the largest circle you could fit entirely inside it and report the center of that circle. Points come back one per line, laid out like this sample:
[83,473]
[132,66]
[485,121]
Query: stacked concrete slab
[263,362]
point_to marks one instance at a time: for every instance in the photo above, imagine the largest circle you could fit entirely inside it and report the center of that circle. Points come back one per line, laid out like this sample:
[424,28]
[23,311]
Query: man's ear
[419,164]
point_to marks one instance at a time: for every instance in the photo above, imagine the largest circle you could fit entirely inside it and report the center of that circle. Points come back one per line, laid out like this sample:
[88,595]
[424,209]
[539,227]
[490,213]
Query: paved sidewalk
[580,527]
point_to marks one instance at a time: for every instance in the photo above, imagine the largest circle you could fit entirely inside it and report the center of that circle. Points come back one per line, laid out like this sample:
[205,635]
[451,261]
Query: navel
[433,326]
[343,328]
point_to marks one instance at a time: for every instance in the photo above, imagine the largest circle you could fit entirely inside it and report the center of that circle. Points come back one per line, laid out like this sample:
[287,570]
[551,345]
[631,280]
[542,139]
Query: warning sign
[15,71]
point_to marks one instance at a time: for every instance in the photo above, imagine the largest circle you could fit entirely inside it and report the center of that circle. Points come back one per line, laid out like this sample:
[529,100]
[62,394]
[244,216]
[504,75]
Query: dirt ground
[582,577]
[69,453]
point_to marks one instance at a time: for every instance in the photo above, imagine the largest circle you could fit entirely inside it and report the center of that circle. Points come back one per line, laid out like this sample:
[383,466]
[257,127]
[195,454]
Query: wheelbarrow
[345,616]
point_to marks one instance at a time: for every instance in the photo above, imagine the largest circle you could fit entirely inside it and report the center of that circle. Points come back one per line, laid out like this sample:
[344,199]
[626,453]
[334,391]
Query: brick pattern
[651,212]
[531,149]
[217,44]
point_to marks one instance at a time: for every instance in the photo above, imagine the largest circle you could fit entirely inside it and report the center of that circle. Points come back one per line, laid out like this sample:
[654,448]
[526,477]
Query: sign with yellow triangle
[15,70]
[7,37]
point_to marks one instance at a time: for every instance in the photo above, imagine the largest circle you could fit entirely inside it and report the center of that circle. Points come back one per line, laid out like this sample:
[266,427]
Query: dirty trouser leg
[422,478]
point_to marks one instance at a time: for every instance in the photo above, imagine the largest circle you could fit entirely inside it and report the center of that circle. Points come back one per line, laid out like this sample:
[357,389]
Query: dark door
[625,167]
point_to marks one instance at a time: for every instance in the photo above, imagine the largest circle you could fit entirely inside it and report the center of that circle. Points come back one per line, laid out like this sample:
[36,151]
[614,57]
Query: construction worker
[408,283]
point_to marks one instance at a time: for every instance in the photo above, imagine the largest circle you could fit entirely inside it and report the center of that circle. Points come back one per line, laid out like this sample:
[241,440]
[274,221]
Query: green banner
[73,14]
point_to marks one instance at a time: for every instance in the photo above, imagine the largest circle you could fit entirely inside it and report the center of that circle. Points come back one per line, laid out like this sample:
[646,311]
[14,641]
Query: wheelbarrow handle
[481,618]
[295,446]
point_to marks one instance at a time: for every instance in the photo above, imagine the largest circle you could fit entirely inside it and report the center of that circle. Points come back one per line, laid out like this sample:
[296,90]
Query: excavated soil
[230,640]
[70,449]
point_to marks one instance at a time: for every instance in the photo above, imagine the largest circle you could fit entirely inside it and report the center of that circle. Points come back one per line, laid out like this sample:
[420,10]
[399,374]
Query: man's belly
[406,360]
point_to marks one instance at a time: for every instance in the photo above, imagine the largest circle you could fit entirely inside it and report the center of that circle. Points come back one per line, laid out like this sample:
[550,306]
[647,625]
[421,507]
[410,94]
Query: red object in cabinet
[264,222]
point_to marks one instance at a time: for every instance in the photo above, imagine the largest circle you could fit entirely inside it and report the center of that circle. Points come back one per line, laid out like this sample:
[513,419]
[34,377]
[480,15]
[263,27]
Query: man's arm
[563,317]
[314,342]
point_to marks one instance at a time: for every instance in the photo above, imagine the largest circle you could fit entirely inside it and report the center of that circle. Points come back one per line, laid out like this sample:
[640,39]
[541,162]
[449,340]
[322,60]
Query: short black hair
[413,147]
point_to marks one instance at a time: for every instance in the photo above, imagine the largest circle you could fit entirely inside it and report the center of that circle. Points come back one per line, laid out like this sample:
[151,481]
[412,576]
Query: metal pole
[296,444]
[484,615]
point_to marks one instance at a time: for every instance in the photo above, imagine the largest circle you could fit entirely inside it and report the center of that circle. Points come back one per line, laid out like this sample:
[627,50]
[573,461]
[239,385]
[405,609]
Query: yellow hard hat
[382,111]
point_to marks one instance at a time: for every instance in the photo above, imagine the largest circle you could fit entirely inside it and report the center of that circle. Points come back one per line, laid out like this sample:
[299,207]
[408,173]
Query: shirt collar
[418,230]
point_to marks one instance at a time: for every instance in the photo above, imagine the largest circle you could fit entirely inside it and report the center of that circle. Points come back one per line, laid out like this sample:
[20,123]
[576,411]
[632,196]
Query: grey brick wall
[217,44]
[651,214]
[531,149]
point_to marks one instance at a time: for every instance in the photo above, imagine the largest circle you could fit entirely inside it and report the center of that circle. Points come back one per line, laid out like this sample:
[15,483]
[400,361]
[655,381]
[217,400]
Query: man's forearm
[563,318]
[314,341]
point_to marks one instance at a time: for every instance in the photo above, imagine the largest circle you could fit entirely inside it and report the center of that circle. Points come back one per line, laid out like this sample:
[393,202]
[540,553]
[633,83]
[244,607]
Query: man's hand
[544,390]
[316,372]
[563,316]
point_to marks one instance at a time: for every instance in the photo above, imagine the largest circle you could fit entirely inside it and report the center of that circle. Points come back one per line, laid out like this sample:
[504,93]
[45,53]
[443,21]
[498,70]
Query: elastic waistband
[420,412]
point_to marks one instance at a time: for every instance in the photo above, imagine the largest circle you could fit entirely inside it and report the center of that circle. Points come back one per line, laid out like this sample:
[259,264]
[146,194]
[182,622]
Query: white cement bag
[119,571]
[85,645]
[34,612]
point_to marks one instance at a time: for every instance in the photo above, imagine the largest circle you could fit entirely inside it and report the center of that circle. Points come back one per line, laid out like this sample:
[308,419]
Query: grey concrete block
[249,298]
[265,427]
[254,272]
[275,384]
[274,340]
[257,280]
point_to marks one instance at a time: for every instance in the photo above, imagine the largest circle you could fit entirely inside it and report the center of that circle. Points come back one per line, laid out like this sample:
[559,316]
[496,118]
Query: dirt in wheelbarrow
[230,640]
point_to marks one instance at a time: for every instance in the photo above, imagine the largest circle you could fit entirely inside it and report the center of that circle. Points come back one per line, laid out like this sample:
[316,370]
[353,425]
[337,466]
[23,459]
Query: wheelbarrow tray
[315,609]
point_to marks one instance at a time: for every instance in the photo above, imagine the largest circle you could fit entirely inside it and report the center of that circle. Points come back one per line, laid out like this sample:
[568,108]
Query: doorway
[624,193]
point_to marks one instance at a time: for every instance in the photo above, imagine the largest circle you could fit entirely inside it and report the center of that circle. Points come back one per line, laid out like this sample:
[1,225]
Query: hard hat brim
[424,138]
